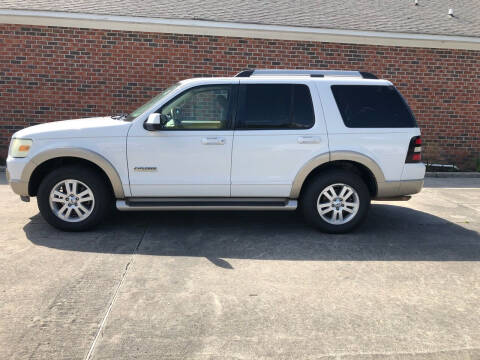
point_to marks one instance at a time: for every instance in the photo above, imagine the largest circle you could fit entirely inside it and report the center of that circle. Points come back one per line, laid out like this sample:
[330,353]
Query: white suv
[324,141]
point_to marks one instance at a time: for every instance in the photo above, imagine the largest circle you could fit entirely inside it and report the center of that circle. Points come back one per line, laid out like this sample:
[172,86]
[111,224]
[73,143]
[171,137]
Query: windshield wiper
[120,116]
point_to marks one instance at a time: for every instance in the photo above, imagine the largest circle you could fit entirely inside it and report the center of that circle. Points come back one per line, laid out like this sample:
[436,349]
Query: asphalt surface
[238,285]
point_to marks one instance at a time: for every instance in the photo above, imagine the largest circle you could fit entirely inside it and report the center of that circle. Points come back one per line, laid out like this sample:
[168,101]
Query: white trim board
[200,27]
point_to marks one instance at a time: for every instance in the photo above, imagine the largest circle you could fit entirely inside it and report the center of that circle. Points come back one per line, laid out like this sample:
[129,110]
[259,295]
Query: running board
[394,198]
[148,204]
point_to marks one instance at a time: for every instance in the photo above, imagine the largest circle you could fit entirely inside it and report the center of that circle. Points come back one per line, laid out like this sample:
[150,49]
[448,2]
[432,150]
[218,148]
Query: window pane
[372,106]
[275,106]
[200,108]
[150,103]
[264,106]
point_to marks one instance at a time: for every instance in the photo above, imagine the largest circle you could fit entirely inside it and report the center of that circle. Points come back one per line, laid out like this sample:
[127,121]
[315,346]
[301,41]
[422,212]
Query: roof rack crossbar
[312,73]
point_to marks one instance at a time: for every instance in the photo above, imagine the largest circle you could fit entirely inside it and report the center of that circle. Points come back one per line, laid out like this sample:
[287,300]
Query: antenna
[450,12]
[416,2]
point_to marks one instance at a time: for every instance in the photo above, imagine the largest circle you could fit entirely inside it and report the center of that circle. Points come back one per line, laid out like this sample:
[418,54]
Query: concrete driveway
[246,285]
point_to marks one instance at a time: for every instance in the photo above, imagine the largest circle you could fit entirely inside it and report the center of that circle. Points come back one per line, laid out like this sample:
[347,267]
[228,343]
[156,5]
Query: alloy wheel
[71,200]
[338,204]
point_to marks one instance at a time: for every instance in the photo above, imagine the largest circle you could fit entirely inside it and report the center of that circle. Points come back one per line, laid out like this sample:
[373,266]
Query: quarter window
[275,106]
[372,106]
[200,108]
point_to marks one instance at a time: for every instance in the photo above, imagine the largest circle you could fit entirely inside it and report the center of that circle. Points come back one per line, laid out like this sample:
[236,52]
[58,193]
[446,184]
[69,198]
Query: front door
[191,155]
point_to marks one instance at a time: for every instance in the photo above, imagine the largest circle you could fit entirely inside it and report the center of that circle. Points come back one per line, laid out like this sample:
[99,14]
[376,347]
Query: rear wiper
[120,116]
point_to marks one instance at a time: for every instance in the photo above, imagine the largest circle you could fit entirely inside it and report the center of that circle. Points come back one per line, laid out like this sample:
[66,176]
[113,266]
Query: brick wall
[52,73]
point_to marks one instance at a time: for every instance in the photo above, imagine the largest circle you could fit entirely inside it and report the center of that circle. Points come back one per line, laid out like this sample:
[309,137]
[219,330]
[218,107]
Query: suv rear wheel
[73,198]
[336,202]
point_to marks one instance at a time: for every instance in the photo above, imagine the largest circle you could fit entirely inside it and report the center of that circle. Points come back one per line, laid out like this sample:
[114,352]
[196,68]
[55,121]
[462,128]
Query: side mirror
[155,122]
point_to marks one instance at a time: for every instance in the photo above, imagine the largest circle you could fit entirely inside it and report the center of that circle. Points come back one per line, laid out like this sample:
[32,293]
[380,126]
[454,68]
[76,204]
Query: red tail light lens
[414,154]
[417,157]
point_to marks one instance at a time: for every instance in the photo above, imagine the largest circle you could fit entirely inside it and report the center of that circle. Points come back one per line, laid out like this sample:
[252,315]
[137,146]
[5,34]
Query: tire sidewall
[89,177]
[309,199]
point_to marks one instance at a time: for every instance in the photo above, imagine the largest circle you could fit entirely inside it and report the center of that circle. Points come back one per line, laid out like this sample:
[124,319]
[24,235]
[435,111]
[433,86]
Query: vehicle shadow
[390,233]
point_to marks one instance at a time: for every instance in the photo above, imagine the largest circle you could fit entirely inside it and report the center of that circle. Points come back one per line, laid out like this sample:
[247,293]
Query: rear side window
[372,106]
[274,106]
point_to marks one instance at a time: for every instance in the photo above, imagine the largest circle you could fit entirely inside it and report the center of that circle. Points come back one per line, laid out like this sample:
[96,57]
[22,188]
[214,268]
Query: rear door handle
[308,140]
[213,141]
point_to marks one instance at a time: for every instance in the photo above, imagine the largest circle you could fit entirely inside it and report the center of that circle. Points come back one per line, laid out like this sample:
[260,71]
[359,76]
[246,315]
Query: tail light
[414,154]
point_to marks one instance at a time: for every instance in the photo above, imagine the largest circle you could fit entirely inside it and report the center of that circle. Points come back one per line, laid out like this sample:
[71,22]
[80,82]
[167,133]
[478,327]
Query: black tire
[101,193]
[310,196]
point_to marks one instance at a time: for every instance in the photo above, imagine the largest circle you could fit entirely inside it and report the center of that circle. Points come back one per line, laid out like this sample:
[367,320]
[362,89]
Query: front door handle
[213,140]
[308,140]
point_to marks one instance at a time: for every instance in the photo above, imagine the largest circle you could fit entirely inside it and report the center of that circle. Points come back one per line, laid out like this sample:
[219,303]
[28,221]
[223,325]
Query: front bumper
[19,187]
[15,174]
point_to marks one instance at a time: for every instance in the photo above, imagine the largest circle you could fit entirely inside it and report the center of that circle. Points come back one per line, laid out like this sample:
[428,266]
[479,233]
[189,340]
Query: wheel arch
[363,165]
[42,162]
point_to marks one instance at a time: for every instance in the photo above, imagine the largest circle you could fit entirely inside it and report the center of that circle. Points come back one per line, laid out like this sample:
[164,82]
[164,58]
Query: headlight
[19,148]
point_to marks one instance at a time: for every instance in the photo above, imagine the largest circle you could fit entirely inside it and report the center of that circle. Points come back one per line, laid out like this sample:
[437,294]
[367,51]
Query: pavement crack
[114,297]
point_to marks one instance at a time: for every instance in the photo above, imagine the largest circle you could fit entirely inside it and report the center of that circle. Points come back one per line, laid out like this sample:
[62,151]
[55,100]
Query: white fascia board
[214,28]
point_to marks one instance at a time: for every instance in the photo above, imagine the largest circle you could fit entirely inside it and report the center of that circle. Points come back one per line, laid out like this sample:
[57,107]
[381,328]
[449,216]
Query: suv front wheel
[73,198]
[336,202]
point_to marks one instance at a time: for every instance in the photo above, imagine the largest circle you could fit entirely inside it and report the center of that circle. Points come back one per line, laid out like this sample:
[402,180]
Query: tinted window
[372,106]
[199,108]
[275,106]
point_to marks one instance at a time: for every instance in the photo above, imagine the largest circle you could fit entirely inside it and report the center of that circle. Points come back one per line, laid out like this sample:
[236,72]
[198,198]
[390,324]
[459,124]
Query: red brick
[52,73]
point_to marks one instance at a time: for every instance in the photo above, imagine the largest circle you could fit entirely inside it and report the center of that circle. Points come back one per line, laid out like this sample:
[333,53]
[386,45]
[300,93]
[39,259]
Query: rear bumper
[399,188]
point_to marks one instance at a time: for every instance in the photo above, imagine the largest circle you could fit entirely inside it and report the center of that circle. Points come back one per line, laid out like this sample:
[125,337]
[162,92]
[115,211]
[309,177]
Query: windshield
[147,105]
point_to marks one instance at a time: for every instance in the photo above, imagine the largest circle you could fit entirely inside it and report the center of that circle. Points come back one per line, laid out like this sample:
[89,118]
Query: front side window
[199,108]
[150,103]
[275,106]
[372,106]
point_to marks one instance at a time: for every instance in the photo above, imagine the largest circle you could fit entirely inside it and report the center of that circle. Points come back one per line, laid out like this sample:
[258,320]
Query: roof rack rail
[245,73]
[312,73]
[368,75]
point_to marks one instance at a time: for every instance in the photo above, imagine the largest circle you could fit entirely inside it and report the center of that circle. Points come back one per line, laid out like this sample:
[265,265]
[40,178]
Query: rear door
[279,127]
